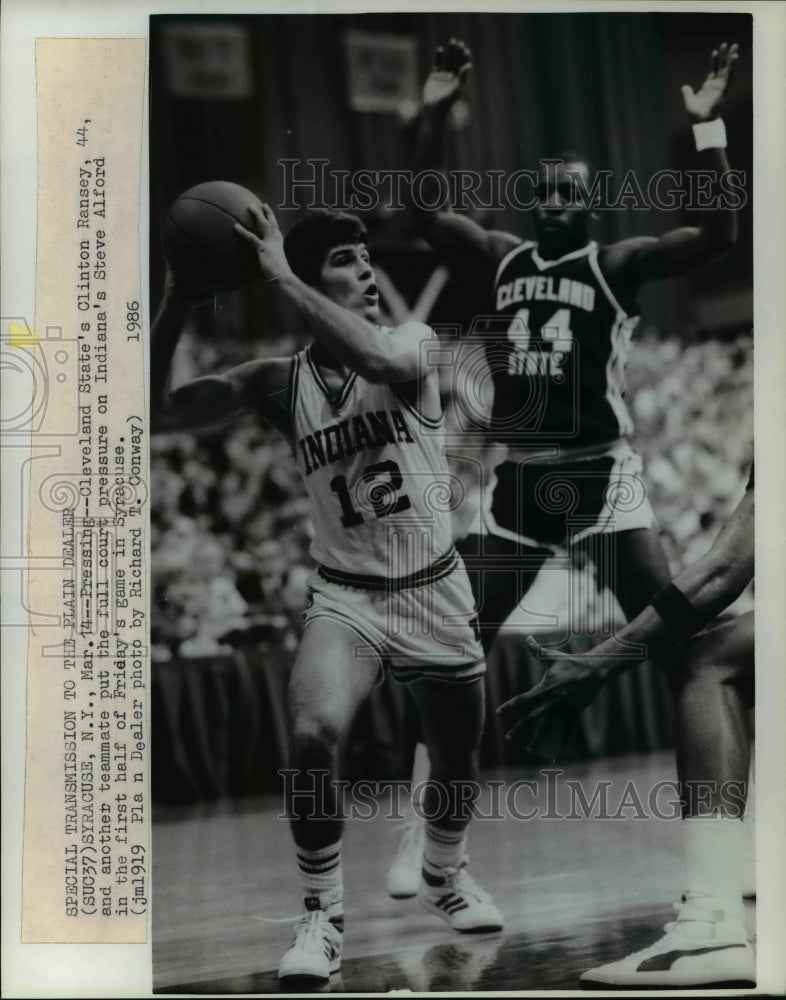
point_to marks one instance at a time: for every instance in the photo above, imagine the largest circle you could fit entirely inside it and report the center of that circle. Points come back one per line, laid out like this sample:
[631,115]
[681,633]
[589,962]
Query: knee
[314,740]
[704,668]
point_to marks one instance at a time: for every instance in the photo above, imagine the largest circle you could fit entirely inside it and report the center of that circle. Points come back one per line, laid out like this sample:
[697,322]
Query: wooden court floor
[574,891]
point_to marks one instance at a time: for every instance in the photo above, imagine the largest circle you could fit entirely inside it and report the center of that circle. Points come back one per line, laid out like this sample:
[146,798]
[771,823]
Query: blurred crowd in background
[230,526]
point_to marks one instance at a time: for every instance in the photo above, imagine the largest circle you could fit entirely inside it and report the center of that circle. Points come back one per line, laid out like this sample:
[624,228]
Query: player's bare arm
[448,232]
[164,337]
[257,386]
[646,258]
[710,585]
[350,338]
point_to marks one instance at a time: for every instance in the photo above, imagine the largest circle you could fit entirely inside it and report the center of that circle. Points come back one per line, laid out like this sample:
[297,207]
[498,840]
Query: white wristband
[710,135]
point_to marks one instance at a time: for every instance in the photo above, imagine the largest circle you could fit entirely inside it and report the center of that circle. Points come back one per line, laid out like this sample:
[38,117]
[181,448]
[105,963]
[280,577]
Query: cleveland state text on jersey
[569,291]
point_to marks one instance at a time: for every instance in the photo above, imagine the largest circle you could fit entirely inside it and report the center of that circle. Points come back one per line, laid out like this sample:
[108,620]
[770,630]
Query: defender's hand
[567,687]
[703,105]
[266,238]
[452,64]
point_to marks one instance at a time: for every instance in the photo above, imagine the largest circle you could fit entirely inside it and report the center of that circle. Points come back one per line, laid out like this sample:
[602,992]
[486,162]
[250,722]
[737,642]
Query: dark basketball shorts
[560,501]
[426,630]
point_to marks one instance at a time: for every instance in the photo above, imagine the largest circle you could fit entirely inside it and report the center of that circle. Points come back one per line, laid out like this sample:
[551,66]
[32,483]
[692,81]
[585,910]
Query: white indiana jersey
[375,472]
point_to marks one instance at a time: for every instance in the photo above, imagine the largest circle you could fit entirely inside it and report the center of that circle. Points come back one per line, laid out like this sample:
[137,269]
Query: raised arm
[257,386]
[646,258]
[164,337]
[448,233]
[397,356]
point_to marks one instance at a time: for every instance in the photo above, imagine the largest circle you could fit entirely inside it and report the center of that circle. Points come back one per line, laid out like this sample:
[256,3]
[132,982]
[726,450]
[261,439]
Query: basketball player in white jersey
[362,411]
[562,313]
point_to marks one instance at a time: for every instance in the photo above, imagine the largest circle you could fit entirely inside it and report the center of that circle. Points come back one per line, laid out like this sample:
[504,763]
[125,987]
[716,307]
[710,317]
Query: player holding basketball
[361,409]
[712,675]
[556,350]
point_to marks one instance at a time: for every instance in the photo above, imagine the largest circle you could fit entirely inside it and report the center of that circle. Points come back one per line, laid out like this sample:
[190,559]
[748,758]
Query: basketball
[200,241]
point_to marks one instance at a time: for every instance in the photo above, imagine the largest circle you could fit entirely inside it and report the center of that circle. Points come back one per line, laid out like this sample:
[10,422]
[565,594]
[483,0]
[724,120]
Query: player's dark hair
[311,237]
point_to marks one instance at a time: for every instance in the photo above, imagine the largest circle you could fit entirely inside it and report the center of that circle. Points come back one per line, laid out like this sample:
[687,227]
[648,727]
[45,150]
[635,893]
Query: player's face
[561,218]
[348,279]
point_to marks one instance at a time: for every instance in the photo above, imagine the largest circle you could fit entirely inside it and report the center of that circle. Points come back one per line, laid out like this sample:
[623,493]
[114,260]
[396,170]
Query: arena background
[231,96]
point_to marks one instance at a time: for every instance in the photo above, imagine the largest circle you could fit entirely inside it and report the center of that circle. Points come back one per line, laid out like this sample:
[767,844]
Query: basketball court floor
[575,890]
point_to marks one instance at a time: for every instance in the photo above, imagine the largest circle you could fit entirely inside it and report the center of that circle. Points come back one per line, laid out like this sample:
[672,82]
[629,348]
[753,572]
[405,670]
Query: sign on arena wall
[382,71]
[208,61]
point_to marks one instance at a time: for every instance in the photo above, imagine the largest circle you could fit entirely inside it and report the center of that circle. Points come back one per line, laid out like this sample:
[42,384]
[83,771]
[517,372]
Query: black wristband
[680,616]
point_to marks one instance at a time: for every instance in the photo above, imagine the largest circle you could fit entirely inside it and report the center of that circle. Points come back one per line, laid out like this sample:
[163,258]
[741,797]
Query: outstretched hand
[452,63]
[569,684]
[266,238]
[703,104]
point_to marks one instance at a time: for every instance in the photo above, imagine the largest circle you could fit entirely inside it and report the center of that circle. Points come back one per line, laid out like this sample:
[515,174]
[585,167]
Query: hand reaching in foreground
[569,684]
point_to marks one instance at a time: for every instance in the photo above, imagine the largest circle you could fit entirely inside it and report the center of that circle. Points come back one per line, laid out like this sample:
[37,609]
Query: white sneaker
[403,878]
[462,903]
[702,947]
[316,950]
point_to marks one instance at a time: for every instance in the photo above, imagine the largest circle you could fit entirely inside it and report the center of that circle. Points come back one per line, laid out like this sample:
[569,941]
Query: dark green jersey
[557,348]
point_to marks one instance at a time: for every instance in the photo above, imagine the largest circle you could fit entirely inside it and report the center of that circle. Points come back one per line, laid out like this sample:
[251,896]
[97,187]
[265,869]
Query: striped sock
[442,849]
[322,880]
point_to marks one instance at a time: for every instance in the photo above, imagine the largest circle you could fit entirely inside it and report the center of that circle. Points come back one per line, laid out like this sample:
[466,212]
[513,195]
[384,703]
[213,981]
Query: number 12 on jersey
[383,481]
[556,333]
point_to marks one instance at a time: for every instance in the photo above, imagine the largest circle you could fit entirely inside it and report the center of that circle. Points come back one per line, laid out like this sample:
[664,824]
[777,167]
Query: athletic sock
[321,878]
[714,853]
[442,849]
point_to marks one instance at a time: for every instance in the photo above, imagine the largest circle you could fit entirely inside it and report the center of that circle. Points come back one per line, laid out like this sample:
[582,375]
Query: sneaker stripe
[455,907]
[451,903]
[663,962]
[444,901]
